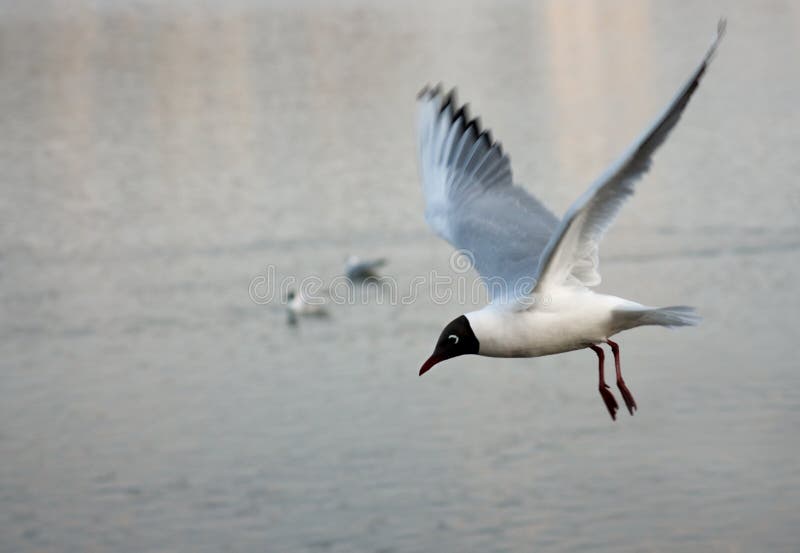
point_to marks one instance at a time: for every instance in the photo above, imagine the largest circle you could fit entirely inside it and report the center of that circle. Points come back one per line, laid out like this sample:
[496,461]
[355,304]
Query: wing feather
[471,200]
[571,256]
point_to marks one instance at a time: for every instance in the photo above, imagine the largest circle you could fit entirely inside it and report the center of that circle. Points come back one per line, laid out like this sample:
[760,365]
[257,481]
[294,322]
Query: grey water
[155,158]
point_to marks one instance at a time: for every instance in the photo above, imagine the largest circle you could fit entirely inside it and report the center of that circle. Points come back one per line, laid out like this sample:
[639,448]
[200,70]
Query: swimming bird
[357,269]
[299,304]
[538,269]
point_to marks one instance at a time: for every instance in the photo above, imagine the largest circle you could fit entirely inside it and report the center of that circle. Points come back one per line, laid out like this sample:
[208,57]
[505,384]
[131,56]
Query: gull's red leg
[608,397]
[630,403]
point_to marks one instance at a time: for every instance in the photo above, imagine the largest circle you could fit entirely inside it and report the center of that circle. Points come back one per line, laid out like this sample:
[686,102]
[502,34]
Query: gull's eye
[454,338]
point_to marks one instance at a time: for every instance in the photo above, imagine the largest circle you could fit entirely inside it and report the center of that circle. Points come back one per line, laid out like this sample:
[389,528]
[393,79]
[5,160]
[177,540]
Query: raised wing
[571,256]
[471,200]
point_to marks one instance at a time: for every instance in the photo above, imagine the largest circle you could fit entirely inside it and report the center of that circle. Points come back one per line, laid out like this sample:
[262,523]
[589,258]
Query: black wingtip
[476,125]
[722,26]
[429,91]
[449,100]
[462,113]
[448,107]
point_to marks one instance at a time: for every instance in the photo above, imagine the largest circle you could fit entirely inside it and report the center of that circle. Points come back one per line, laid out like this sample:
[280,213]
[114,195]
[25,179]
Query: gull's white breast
[567,320]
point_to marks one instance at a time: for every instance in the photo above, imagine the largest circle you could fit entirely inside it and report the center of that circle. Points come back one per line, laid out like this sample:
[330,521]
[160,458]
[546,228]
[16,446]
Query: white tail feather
[673,316]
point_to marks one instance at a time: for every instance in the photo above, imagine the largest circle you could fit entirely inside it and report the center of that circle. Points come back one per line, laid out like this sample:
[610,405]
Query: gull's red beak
[432,360]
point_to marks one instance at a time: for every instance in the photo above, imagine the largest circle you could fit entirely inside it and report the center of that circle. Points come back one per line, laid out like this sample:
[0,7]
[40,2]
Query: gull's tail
[676,315]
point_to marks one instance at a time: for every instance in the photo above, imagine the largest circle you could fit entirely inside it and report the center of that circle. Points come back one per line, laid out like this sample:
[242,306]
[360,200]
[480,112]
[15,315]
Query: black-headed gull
[538,269]
[357,269]
[299,304]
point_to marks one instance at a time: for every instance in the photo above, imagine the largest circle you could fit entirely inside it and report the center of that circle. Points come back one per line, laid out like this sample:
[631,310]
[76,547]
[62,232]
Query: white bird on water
[538,269]
[300,304]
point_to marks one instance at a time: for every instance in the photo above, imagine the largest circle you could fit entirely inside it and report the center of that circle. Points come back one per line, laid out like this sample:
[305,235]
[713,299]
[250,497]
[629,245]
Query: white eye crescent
[454,338]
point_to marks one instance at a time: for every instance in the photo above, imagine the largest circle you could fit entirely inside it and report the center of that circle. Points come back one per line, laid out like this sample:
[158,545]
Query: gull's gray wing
[571,255]
[471,200]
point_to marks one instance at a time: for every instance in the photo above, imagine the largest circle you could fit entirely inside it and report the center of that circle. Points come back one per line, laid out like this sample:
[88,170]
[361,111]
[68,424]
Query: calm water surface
[156,158]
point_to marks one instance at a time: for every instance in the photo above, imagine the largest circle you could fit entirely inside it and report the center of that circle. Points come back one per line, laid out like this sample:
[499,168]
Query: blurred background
[157,157]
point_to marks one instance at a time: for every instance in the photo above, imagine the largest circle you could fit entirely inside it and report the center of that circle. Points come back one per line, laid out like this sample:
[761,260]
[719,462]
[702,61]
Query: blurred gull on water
[357,269]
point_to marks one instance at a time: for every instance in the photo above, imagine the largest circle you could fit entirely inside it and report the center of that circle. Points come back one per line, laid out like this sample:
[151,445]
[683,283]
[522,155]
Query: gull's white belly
[570,322]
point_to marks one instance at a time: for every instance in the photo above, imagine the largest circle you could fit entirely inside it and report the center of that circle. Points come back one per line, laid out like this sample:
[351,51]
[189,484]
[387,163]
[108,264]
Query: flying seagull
[538,269]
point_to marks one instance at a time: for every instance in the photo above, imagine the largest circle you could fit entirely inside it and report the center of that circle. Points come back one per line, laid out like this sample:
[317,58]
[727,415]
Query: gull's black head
[456,339]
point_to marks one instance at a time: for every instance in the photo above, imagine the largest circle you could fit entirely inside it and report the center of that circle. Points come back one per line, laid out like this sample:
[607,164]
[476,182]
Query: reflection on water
[156,158]
[575,37]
